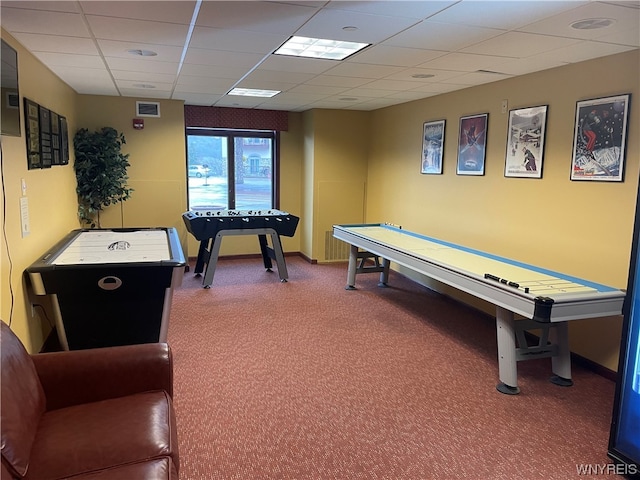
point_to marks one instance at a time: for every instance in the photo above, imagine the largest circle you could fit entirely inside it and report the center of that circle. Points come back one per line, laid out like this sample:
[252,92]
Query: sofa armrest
[82,376]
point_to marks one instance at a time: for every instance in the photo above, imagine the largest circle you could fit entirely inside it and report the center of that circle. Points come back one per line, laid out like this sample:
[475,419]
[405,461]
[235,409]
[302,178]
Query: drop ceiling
[205,48]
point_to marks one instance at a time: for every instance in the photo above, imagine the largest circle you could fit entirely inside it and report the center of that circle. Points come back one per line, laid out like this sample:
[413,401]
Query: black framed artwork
[472,140]
[55,139]
[432,147]
[599,139]
[64,140]
[32,133]
[45,137]
[525,142]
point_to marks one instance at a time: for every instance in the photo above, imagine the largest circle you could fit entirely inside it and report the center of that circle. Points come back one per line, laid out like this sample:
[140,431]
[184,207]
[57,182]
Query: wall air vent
[147,109]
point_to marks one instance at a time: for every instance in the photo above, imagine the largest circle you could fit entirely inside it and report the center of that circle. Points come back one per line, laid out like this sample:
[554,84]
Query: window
[247,182]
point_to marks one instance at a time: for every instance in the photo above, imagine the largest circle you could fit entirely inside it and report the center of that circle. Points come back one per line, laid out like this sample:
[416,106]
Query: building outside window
[231,169]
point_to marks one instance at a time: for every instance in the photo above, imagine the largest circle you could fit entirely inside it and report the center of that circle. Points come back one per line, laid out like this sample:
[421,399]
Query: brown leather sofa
[100,414]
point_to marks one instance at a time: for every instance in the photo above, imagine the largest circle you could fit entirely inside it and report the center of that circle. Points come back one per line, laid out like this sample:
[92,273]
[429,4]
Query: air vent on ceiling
[147,109]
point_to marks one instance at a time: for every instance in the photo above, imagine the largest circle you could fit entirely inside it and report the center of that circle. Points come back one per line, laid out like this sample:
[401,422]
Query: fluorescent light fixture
[319,48]
[253,92]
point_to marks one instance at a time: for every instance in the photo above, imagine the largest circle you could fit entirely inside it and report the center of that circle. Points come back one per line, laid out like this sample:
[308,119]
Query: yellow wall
[306,222]
[336,150]
[291,168]
[51,198]
[578,228]
[157,157]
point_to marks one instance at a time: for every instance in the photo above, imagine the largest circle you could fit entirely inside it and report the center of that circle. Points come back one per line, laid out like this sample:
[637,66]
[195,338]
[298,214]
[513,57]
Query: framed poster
[525,142]
[599,139]
[32,133]
[55,139]
[64,140]
[432,147]
[45,137]
[472,141]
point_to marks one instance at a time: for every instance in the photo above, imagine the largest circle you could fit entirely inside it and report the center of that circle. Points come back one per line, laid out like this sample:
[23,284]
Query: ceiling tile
[478,78]
[159,11]
[417,75]
[43,22]
[51,6]
[140,31]
[143,77]
[312,90]
[464,62]
[115,48]
[213,71]
[57,43]
[399,56]
[363,70]
[195,98]
[70,60]
[331,24]
[504,15]
[441,36]
[145,94]
[300,65]
[135,65]
[335,81]
[135,85]
[390,84]
[267,17]
[397,8]
[203,84]
[560,25]
[264,75]
[629,37]
[517,44]
[201,56]
[236,40]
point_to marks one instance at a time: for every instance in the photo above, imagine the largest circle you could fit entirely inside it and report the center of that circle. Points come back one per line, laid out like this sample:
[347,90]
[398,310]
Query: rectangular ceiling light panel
[253,92]
[319,48]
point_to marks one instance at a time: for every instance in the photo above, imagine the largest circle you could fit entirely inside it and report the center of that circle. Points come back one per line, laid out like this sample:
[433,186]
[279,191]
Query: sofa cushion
[23,402]
[158,469]
[86,438]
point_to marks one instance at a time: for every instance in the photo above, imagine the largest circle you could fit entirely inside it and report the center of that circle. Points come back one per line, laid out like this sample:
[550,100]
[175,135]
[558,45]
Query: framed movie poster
[32,133]
[432,147]
[599,139]
[472,142]
[525,142]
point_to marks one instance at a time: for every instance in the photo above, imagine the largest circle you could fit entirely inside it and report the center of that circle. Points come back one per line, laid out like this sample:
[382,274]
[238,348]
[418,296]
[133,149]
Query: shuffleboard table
[546,299]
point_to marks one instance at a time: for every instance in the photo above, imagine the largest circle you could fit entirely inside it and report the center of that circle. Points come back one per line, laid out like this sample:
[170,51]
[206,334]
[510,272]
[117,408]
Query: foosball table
[209,227]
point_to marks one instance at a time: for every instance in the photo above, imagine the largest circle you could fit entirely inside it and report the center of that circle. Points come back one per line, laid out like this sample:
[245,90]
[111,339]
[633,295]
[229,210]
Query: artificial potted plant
[101,172]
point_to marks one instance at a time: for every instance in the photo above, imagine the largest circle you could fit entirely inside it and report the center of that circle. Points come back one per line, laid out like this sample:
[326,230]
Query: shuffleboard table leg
[507,362]
[353,266]
[384,275]
[561,363]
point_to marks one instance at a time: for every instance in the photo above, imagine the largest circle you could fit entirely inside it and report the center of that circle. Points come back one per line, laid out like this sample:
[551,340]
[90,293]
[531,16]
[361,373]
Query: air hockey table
[546,299]
[110,287]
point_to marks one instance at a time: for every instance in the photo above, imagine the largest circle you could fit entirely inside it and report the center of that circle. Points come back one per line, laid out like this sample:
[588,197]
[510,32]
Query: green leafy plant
[101,172]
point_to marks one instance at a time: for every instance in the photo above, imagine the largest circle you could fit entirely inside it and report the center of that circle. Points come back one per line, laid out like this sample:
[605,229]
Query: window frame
[231,135]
